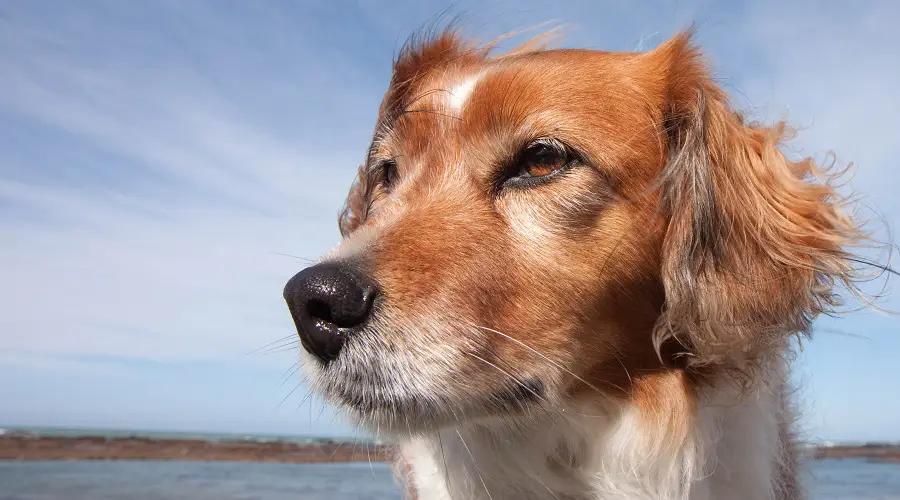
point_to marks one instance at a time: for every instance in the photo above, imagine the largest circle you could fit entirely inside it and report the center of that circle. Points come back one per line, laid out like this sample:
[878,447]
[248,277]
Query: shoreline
[29,448]
[881,453]
[24,447]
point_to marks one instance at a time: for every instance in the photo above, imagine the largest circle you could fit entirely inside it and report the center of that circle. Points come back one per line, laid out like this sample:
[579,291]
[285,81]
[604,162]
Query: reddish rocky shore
[875,452]
[23,447]
[32,447]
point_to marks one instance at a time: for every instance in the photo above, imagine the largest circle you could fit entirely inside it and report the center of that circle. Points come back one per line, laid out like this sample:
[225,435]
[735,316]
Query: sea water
[164,480]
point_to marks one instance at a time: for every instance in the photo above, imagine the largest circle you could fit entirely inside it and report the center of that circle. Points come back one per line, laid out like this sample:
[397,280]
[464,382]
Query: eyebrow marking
[460,94]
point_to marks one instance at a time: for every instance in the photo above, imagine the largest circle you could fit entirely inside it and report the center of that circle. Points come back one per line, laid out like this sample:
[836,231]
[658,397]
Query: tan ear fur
[755,242]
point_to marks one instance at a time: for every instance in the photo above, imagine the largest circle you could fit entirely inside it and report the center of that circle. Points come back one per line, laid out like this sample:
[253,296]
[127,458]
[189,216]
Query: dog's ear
[755,243]
[355,207]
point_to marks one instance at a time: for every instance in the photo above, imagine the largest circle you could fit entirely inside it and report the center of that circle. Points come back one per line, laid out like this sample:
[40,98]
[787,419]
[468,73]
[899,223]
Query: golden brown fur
[682,252]
[755,243]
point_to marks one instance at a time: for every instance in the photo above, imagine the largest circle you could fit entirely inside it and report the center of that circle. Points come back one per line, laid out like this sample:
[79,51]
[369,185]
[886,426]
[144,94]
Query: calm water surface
[828,480]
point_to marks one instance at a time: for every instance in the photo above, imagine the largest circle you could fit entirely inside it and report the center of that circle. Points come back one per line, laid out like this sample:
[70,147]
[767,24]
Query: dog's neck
[731,451]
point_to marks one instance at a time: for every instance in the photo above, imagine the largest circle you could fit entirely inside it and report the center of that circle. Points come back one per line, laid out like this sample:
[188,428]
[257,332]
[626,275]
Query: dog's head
[549,225]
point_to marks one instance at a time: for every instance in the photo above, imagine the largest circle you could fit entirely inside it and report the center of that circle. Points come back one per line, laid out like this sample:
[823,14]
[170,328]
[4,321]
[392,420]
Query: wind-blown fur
[755,243]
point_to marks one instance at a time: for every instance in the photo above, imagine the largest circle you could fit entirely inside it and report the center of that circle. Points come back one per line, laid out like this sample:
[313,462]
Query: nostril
[319,310]
[341,302]
[348,309]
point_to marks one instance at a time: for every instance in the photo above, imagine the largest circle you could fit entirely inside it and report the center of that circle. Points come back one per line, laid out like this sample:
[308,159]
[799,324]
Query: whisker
[282,339]
[554,363]
[303,401]
[333,453]
[369,456]
[279,348]
[289,395]
[511,376]
[428,111]
[293,256]
[290,372]
[474,464]
[624,368]
[286,348]
[546,408]
[321,411]
[444,458]
[425,94]
[355,443]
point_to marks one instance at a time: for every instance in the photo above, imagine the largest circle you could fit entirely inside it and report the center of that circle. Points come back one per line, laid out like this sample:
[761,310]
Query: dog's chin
[409,415]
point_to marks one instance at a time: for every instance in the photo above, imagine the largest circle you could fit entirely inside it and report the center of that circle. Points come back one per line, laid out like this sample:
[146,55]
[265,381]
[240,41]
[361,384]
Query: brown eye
[538,163]
[541,159]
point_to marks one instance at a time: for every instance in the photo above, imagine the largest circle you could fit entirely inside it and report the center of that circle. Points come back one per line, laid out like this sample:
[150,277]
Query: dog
[574,274]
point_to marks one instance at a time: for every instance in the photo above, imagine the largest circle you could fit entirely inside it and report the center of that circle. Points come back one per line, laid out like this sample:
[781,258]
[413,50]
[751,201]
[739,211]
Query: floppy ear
[754,244]
[355,206]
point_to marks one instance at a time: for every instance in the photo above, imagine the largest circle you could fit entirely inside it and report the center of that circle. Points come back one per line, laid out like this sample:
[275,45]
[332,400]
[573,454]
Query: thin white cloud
[171,148]
[185,270]
[835,69]
[192,268]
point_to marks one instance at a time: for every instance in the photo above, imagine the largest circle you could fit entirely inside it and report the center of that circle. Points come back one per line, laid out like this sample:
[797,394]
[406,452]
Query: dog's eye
[388,171]
[541,159]
[538,163]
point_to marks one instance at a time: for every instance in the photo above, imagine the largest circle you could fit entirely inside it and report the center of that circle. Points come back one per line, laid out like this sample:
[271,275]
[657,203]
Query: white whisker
[552,362]
[474,464]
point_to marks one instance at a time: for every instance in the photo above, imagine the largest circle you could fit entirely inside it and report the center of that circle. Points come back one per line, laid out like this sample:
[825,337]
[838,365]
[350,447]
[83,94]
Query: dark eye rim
[511,179]
[386,172]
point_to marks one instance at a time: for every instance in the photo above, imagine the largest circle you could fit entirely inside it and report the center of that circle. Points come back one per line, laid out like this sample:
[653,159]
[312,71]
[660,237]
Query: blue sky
[157,158]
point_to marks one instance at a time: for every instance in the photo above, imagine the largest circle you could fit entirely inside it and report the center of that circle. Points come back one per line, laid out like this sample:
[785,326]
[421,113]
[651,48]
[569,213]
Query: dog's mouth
[377,405]
[426,373]
[520,395]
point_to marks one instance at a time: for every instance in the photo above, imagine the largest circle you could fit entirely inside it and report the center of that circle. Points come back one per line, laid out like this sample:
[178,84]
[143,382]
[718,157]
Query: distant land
[17,443]
[164,434]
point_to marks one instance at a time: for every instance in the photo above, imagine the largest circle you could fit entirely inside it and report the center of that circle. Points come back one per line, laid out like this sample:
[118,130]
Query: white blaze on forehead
[459,94]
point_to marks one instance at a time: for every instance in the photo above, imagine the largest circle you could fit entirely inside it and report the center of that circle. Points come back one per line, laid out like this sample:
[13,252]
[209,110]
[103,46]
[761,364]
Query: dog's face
[517,234]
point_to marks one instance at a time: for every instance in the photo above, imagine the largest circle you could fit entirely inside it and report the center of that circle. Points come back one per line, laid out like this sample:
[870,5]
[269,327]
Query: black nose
[329,303]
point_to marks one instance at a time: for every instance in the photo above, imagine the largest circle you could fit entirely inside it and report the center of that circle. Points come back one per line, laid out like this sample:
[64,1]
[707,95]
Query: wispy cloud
[156,158]
[146,218]
[834,68]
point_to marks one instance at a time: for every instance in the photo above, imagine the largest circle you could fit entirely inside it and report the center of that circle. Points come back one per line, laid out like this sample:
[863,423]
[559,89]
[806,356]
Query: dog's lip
[366,403]
[524,392]
[514,397]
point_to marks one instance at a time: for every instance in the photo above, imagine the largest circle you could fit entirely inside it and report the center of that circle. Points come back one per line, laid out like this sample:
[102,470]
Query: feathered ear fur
[755,242]
[354,212]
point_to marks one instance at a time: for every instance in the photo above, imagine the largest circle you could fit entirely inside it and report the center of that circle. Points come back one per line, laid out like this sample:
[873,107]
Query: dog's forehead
[451,88]
[583,97]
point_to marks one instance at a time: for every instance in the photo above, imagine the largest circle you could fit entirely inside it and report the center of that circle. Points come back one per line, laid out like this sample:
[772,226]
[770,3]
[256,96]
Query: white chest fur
[731,452]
